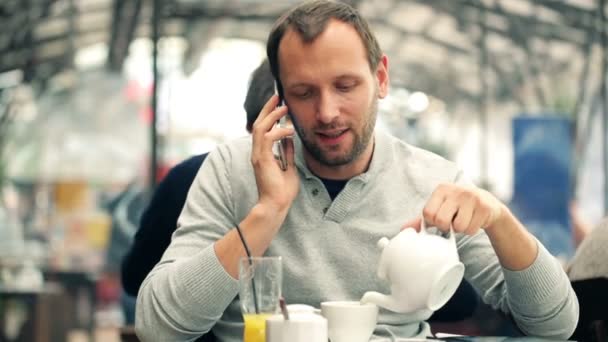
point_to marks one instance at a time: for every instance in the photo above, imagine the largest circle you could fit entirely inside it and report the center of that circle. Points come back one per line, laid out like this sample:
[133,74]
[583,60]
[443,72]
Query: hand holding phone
[278,146]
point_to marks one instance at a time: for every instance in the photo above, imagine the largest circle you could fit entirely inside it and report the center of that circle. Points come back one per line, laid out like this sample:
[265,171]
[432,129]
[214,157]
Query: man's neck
[341,172]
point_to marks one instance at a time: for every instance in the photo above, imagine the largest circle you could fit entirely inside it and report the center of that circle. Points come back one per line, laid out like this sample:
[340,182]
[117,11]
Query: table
[79,289]
[492,339]
[32,315]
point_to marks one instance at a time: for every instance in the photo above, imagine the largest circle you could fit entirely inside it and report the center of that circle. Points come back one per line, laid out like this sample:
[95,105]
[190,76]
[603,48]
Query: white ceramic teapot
[423,270]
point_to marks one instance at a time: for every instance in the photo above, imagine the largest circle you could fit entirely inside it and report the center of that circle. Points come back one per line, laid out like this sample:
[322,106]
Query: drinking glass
[260,281]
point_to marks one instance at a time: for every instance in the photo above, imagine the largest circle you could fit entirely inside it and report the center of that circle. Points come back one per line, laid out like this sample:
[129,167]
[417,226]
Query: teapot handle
[452,236]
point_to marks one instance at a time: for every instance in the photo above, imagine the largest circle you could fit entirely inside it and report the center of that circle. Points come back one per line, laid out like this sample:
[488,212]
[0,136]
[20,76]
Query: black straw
[255,298]
[284,308]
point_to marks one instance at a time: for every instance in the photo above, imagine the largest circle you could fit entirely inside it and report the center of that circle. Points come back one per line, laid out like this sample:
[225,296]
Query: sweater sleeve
[539,298]
[188,290]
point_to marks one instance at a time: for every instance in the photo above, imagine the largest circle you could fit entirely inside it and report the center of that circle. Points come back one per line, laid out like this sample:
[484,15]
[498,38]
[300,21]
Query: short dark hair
[261,88]
[309,20]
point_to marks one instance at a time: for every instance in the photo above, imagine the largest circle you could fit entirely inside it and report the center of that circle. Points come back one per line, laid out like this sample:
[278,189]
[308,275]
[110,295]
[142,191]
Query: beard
[362,139]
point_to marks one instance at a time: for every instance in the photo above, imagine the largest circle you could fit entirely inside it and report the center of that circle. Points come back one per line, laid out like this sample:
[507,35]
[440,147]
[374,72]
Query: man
[345,187]
[159,219]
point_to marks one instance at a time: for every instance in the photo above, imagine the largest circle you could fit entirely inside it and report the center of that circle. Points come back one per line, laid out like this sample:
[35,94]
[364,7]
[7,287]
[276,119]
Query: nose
[327,107]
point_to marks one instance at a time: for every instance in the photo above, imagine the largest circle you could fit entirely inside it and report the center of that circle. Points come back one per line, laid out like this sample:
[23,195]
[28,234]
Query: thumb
[415,223]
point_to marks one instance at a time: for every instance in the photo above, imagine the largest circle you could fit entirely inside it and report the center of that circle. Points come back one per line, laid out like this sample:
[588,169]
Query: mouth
[332,137]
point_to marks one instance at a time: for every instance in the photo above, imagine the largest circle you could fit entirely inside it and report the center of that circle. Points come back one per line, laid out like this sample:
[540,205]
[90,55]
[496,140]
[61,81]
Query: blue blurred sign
[543,158]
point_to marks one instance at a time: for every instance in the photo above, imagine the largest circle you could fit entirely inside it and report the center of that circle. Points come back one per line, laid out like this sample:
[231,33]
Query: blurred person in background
[125,210]
[346,186]
[159,219]
[588,272]
[580,227]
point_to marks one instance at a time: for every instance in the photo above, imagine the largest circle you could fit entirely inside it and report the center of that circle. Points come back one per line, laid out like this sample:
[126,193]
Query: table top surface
[453,338]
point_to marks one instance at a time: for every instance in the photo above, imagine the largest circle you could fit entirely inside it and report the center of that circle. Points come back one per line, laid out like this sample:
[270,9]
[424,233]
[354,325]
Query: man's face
[332,93]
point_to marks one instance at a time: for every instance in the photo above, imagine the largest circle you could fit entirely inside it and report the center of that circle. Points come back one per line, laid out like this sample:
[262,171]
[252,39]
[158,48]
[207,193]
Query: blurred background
[99,98]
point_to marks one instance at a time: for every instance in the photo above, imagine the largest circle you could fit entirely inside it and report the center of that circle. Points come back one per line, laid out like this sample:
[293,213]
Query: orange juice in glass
[260,280]
[255,327]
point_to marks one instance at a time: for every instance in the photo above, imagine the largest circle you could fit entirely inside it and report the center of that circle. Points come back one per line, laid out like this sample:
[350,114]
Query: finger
[262,144]
[269,106]
[277,133]
[480,216]
[271,119]
[433,204]
[462,221]
[446,213]
[415,223]
[471,231]
[260,125]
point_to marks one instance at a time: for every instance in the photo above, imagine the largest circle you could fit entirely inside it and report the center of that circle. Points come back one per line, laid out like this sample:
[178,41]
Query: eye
[304,94]
[345,87]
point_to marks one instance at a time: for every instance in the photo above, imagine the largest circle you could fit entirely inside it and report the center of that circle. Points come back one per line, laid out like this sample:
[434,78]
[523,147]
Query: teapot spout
[381,300]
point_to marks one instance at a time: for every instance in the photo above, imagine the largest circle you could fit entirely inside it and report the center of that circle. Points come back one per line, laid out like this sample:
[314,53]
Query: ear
[382,76]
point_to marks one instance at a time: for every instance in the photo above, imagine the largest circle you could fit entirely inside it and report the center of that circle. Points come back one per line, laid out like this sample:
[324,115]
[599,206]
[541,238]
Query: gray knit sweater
[329,249]
[591,258]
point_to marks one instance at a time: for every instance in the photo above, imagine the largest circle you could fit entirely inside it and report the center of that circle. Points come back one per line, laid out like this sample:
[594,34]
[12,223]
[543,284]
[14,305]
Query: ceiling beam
[125,16]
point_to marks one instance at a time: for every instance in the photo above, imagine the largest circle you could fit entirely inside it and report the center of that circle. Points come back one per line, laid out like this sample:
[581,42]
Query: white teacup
[301,327]
[349,321]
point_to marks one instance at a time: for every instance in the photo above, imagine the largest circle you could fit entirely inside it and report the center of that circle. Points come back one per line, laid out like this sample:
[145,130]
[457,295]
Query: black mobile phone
[279,144]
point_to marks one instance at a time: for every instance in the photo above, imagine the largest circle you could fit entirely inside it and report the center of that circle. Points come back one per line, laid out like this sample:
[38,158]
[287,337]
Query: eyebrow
[348,77]
[343,77]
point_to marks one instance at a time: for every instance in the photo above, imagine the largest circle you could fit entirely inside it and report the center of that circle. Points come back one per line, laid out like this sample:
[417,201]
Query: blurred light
[211,99]
[10,78]
[92,56]
[418,102]
[138,63]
